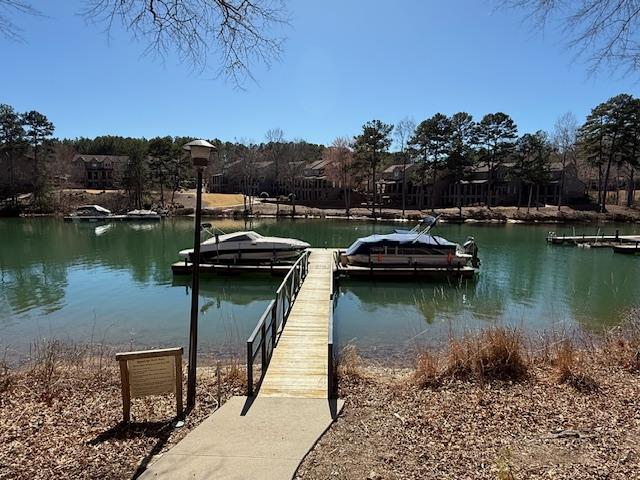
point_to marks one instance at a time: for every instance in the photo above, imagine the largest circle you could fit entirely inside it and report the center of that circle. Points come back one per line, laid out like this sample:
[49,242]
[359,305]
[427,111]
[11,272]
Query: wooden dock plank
[299,365]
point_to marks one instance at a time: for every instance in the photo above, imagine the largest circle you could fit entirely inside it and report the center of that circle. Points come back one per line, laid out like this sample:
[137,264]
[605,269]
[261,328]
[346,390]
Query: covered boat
[247,247]
[409,248]
[91,211]
[143,215]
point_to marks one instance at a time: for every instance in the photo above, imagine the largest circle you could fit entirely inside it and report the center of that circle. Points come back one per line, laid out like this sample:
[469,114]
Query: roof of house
[392,168]
[318,164]
[100,158]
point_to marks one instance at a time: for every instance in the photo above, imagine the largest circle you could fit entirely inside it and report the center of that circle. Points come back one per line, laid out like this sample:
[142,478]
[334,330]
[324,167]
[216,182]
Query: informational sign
[150,372]
[151,376]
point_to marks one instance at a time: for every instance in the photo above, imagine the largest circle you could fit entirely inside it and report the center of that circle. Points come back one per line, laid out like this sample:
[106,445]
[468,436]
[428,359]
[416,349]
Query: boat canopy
[363,244]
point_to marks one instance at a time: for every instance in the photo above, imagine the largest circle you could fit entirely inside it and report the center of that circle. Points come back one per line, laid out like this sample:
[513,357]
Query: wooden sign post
[150,372]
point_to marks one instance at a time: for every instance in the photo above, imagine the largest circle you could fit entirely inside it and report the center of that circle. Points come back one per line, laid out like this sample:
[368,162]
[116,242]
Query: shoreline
[494,216]
[488,405]
[227,206]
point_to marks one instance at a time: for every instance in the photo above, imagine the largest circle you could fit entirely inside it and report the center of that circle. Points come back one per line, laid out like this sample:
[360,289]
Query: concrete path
[265,440]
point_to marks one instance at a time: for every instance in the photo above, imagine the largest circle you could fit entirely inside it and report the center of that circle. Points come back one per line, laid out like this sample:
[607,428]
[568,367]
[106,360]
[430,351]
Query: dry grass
[67,402]
[427,373]
[459,413]
[349,362]
[497,353]
[623,342]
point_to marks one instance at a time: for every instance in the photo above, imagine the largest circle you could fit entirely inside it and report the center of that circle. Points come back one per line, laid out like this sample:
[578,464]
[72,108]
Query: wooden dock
[281,269]
[276,269]
[406,273]
[608,240]
[299,365]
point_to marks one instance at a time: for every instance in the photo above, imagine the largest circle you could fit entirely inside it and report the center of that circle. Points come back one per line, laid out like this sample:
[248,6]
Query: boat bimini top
[364,244]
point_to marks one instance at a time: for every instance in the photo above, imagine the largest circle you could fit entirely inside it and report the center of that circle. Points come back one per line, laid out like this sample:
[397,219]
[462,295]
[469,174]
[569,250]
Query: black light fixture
[200,151]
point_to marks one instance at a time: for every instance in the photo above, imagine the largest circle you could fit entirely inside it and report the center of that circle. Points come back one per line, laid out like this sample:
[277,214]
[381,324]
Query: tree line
[606,145]
[456,145]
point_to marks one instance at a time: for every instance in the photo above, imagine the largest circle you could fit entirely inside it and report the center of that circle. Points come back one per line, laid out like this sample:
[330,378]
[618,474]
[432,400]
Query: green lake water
[113,283]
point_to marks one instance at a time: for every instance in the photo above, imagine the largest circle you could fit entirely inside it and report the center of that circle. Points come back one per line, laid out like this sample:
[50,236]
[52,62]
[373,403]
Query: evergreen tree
[604,138]
[461,154]
[369,147]
[533,162]
[495,135]
[12,143]
[162,155]
[432,136]
[632,150]
[38,130]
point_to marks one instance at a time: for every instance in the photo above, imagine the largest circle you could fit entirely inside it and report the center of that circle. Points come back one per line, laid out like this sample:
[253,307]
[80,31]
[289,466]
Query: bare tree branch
[239,33]
[606,33]
[8,28]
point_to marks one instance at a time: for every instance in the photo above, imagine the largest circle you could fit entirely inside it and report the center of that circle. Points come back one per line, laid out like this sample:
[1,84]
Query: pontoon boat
[411,248]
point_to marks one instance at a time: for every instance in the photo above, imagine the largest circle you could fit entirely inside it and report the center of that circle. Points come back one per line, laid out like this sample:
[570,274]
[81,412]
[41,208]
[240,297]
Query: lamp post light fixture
[200,151]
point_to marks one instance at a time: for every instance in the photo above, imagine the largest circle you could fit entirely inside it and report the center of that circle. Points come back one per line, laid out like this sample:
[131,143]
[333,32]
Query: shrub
[496,353]
[426,373]
[568,374]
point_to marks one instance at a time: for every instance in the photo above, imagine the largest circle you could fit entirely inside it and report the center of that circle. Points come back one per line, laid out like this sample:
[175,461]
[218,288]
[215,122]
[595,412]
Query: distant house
[98,171]
[507,188]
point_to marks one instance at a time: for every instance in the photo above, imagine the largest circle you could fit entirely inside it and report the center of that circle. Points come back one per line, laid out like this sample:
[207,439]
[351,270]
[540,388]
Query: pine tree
[495,134]
[369,147]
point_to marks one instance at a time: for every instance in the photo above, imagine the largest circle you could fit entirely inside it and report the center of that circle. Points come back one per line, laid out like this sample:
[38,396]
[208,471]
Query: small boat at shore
[629,249]
[411,248]
[143,215]
[90,213]
[247,247]
[96,213]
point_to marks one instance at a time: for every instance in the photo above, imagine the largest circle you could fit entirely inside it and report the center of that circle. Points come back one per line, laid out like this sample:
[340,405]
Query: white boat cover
[394,239]
[97,208]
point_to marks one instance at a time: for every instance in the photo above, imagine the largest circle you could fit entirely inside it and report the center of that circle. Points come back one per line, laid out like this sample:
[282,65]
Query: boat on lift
[411,248]
[246,247]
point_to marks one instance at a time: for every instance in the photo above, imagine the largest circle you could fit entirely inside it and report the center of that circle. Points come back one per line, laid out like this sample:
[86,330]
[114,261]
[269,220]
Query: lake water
[87,282]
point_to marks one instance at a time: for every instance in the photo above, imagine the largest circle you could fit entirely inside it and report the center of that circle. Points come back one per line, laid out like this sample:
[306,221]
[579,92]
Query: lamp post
[199,150]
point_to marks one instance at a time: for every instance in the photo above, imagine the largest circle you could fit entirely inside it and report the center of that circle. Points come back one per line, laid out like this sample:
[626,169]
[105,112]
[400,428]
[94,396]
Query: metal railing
[332,386]
[264,337]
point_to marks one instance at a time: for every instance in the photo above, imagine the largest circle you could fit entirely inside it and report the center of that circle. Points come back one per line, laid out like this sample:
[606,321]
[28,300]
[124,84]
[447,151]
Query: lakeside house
[98,171]
[309,182]
[473,190]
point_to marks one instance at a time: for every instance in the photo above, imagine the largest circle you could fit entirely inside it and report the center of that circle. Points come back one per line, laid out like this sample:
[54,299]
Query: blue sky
[345,62]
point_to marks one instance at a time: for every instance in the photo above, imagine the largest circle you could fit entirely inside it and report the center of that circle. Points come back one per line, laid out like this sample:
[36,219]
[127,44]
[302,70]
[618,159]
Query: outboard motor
[471,248]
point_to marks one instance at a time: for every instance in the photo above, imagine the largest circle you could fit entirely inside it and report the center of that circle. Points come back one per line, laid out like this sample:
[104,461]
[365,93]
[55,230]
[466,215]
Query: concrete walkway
[264,440]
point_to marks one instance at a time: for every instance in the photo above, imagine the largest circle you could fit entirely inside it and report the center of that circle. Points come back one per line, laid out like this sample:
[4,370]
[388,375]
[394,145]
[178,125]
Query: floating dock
[340,270]
[276,269]
[609,240]
[353,271]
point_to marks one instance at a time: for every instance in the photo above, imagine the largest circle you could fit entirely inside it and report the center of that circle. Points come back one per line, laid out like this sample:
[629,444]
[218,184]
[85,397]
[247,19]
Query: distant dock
[619,243]
[113,218]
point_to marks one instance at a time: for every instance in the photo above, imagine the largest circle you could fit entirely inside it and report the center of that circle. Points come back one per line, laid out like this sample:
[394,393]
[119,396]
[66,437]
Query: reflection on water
[113,281]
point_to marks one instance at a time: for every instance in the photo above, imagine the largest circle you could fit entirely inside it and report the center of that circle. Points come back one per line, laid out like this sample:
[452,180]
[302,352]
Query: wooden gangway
[294,336]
